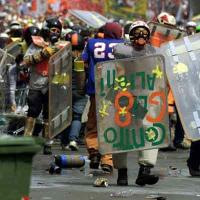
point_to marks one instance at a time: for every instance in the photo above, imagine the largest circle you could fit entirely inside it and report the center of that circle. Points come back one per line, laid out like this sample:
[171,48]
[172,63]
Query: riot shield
[92,19]
[183,71]
[13,48]
[11,122]
[60,90]
[131,104]
[161,33]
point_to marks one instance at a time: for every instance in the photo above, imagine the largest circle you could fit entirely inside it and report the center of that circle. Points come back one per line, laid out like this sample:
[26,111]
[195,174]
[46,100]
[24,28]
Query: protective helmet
[112,30]
[15,29]
[145,30]
[29,32]
[127,27]
[76,39]
[51,29]
[53,22]
[191,28]
[166,18]
[191,24]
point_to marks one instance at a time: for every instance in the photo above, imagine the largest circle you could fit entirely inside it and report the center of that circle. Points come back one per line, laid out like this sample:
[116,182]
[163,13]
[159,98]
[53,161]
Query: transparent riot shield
[60,90]
[13,48]
[131,104]
[161,33]
[183,71]
[11,120]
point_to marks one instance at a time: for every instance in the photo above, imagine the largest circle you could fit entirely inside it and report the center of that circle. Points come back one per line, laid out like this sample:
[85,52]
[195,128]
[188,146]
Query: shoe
[122,179]
[73,146]
[65,147]
[194,172]
[145,176]
[185,144]
[47,149]
[107,168]
[95,160]
[169,148]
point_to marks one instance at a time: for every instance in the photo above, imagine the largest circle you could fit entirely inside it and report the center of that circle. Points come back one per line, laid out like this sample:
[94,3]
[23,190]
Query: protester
[98,50]
[36,58]
[139,34]
[70,137]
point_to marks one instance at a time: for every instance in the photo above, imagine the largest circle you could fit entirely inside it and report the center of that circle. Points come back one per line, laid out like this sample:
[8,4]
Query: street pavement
[74,184]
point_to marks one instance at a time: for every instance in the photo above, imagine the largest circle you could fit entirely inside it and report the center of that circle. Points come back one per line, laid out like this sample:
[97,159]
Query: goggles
[55,30]
[139,32]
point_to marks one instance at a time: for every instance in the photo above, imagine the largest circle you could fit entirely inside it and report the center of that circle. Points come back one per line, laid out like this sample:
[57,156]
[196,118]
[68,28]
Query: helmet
[166,18]
[112,30]
[127,27]
[29,32]
[76,39]
[145,30]
[51,29]
[53,22]
[191,24]
[191,28]
[15,29]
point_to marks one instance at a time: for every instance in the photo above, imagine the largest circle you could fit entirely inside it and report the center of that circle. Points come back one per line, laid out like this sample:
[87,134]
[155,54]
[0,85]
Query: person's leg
[46,133]
[34,108]
[147,160]
[193,161]
[91,138]
[179,132]
[79,103]
[120,163]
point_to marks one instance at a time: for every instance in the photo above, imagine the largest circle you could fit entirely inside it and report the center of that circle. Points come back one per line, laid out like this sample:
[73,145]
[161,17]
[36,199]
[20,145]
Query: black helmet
[29,32]
[47,28]
[53,22]
[76,39]
[15,29]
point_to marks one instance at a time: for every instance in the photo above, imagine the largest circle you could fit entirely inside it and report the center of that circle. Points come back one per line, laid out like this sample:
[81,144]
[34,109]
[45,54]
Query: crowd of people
[30,70]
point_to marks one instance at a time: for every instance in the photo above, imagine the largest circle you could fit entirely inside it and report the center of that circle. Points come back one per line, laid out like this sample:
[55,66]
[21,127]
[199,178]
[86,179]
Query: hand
[13,108]
[49,51]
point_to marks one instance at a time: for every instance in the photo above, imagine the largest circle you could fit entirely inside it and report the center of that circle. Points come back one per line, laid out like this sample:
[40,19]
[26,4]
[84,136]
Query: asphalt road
[73,184]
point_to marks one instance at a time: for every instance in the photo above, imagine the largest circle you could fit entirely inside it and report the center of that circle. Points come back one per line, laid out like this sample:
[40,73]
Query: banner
[126,9]
[183,72]
[89,5]
[131,104]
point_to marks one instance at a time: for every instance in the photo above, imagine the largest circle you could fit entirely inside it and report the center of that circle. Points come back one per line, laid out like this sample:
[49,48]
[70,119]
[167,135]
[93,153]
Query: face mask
[54,35]
[140,36]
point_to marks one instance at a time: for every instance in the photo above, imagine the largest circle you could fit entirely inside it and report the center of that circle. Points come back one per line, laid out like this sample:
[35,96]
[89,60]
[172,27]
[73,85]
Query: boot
[95,158]
[145,177]
[48,143]
[122,179]
[29,126]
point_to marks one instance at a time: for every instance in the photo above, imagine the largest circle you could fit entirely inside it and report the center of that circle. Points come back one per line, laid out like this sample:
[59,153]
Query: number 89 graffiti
[125,111]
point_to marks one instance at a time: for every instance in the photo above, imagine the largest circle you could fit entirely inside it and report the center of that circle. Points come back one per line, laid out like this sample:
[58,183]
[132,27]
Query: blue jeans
[72,133]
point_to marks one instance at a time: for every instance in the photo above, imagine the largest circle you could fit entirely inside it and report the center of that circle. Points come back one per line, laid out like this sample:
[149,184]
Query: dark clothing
[194,158]
[179,132]
[37,102]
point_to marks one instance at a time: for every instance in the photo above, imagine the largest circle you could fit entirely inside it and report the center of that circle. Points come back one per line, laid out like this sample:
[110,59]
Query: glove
[49,51]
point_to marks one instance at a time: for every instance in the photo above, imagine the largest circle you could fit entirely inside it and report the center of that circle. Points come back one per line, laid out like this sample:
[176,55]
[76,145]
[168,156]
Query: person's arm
[38,55]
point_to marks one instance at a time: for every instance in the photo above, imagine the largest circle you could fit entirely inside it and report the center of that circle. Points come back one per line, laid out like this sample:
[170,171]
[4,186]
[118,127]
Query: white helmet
[166,18]
[191,24]
[137,24]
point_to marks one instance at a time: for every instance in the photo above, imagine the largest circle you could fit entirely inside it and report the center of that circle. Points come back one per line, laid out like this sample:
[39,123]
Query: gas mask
[139,36]
[54,35]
